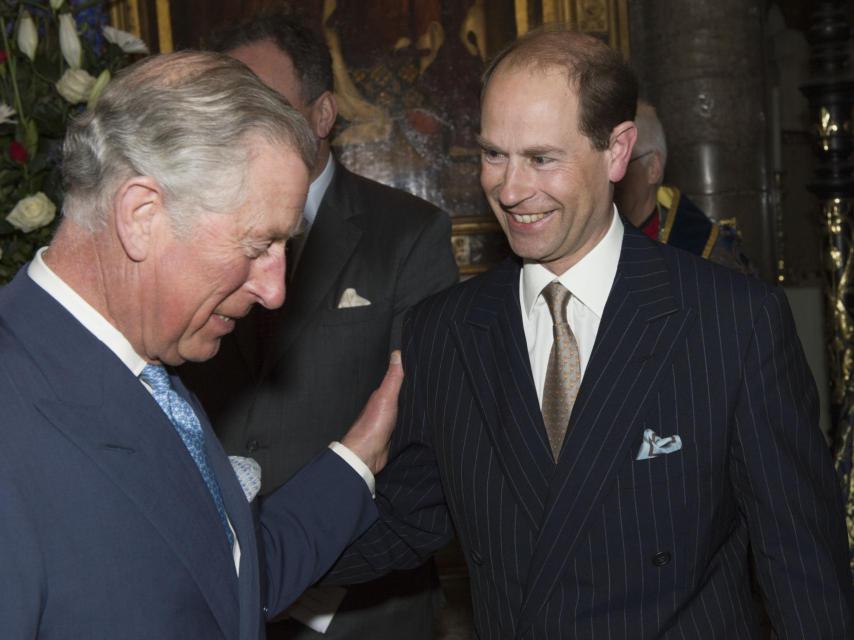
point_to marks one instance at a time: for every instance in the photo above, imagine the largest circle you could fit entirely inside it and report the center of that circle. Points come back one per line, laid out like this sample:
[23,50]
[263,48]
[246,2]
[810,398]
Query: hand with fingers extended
[370,434]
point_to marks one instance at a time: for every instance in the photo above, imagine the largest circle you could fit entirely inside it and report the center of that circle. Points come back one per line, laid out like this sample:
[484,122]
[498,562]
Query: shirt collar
[85,313]
[316,191]
[589,280]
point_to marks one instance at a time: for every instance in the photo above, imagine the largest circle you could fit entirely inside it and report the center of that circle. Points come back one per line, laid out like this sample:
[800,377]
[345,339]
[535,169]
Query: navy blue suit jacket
[601,545]
[106,527]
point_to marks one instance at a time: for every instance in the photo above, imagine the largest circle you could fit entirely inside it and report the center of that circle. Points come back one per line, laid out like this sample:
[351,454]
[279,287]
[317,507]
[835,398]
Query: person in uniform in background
[663,212]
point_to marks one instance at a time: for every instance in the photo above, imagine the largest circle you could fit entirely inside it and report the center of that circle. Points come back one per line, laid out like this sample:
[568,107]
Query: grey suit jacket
[293,380]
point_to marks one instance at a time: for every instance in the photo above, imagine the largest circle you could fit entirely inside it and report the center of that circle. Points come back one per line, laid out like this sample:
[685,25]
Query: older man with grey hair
[662,211]
[120,515]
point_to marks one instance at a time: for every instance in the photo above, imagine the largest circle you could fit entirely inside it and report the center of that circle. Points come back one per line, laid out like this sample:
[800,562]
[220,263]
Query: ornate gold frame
[469,232]
[606,18]
[131,16]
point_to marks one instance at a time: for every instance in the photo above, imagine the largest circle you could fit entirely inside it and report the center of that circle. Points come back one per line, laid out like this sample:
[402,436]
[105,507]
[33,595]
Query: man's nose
[516,185]
[268,282]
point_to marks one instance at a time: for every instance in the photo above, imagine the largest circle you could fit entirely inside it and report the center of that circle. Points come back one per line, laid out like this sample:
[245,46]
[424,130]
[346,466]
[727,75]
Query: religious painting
[407,80]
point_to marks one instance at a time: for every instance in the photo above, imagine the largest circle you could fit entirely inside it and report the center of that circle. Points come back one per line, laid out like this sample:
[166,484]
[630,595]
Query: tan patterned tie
[563,374]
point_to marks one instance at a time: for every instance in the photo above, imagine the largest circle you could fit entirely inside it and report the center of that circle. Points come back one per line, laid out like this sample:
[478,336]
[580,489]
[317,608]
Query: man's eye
[258,251]
[490,155]
[540,160]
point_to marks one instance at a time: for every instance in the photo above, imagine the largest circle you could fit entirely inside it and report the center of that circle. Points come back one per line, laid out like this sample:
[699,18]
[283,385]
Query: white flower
[100,84]
[125,41]
[32,212]
[28,38]
[7,114]
[75,85]
[56,4]
[69,43]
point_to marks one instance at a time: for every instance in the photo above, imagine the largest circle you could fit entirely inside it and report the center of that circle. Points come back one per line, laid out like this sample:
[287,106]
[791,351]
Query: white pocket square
[248,474]
[654,445]
[351,299]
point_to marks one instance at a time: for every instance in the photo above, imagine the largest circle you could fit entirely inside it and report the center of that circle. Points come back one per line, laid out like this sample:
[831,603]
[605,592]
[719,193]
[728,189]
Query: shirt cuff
[358,466]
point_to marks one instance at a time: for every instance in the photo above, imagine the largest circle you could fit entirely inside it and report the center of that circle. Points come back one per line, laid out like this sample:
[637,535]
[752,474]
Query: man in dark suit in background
[369,253]
[120,515]
[607,422]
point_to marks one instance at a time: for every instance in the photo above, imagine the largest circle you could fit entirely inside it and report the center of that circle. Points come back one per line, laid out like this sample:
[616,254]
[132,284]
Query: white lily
[7,114]
[75,85]
[28,37]
[69,42]
[125,41]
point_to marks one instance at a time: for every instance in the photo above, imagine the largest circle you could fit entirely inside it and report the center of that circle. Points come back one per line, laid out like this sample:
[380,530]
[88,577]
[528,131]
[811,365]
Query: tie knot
[556,297]
[156,377]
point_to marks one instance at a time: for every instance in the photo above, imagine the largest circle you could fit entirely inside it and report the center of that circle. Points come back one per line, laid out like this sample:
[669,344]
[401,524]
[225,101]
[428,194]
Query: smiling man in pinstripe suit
[692,438]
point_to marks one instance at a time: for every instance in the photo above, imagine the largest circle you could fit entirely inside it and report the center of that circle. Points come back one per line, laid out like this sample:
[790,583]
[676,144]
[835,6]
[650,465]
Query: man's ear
[324,111]
[137,203]
[623,138]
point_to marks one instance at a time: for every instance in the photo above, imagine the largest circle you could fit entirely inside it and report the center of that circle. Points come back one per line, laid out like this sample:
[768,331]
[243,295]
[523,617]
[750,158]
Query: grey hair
[650,133]
[187,120]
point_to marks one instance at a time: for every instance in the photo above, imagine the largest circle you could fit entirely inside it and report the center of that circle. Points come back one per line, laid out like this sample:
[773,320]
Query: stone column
[701,64]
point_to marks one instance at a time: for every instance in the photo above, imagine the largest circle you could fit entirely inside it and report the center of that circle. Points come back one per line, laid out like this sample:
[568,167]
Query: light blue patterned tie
[186,423]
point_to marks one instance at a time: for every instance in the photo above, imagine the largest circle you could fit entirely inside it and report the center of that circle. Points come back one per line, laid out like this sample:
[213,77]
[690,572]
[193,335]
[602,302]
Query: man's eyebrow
[530,152]
[483,143]
[544,150]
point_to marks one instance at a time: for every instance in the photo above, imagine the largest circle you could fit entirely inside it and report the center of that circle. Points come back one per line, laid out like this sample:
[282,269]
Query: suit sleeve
[22,575]
[784,483]
[307,522]
[414,520]
[428,268]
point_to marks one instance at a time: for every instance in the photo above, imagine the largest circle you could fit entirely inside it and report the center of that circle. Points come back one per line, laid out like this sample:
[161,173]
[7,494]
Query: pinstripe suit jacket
[601,545]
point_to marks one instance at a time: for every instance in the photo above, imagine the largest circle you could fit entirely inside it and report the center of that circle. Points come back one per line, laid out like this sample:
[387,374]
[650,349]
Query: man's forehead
[534,70]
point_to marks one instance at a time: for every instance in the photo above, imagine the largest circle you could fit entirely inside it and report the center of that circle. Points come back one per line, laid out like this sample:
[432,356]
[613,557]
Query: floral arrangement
[56,58]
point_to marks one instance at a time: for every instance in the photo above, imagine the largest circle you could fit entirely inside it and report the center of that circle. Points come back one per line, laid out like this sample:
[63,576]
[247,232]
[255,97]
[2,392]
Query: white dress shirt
[316,191]
[589,281]
[113,339]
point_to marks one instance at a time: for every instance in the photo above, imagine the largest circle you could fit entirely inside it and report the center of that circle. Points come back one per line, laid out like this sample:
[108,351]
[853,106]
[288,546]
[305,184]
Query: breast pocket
[663,469]
[352,315]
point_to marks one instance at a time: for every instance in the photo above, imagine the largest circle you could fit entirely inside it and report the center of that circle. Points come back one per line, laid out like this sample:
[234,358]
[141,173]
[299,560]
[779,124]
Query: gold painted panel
[147,19]
[607,19]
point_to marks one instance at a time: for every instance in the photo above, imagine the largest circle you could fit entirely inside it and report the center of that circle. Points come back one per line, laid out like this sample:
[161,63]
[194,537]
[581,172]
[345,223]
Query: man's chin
[198,353]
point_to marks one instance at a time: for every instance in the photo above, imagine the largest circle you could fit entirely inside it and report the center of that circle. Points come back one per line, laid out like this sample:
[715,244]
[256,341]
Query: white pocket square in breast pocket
[351,299]
[654,445]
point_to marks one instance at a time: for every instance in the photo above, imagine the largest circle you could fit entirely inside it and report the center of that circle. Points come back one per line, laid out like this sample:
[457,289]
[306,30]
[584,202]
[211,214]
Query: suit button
[476,558]
[661,559]
[252,446]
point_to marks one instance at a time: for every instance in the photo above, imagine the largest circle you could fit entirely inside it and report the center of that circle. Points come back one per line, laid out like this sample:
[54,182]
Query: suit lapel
[492,342]
[330,243]
[641,324]
[242,521]
[99,405]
